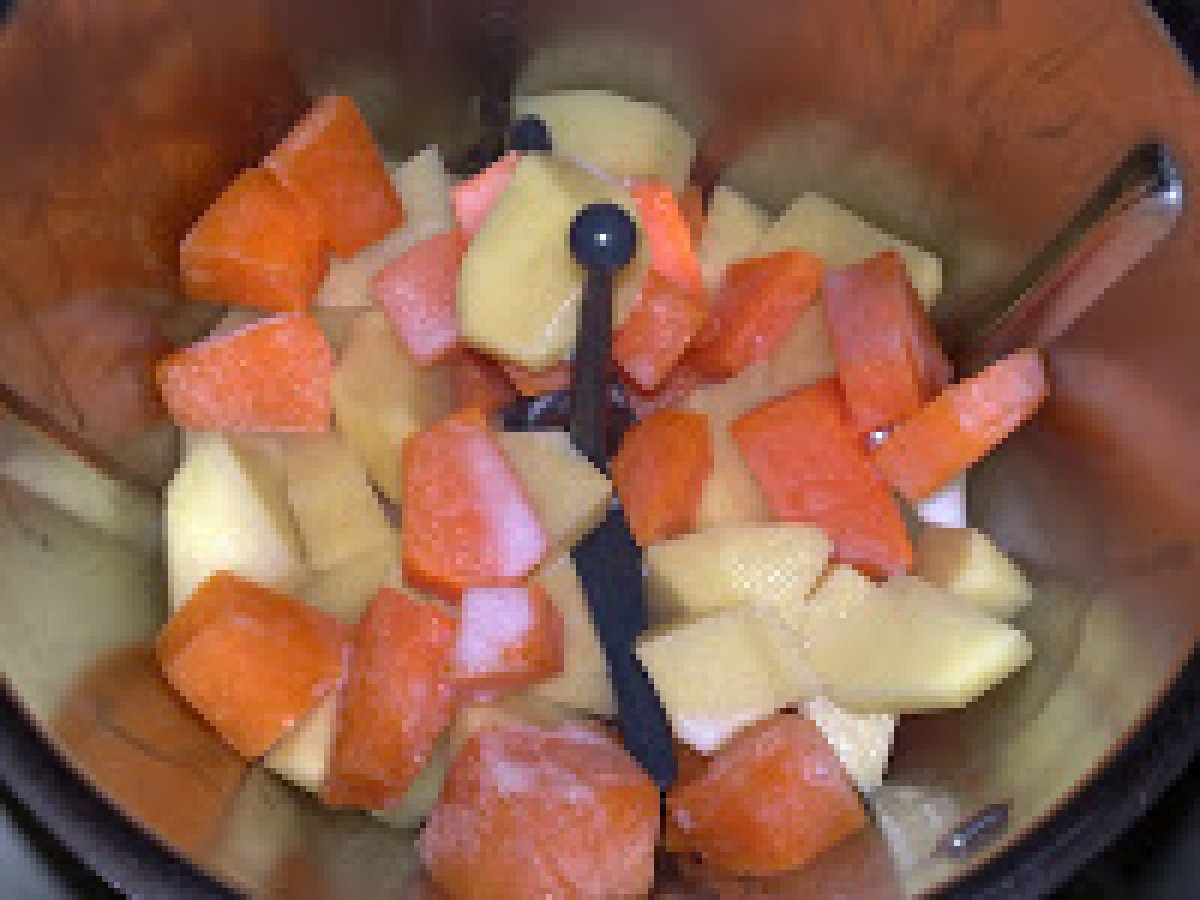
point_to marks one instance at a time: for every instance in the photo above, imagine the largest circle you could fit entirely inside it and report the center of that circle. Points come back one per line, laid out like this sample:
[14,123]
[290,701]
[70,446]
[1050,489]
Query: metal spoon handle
[1118,226]
[590,375]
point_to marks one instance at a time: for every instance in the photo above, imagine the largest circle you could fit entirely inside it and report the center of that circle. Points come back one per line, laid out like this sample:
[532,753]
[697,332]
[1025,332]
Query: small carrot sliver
[810,463]
[888,357]
[754,310]
[691,204]
[663,322]
[251,660]
[668,235]
[674,389]
[962,425]
[271,375]
[659,473]
[478,381]
[419,292]
[535,382]
[474,197]
[511,637]
[467,520]
[398,699]
[330,159]
[771,800]
[257,245]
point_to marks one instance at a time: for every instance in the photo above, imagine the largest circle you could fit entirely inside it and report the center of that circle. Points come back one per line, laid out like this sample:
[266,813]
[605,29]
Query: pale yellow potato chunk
[733,228]
[424,186]
[840,237]
[520,289]
[967,564]
[863,742]
[332,501]
[225,510]
[584,683]
[381,396]
[615,134]
[346,589]
[568,493]
[904,647]
[766,566]
[302,755]
[717,675]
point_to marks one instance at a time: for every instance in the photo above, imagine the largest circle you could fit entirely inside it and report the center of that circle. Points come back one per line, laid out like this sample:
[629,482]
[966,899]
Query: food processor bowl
[974,128]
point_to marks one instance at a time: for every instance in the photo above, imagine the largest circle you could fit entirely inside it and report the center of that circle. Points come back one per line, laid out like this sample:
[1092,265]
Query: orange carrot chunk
[754,309]
[479,382]
[888,357]
[419,292]
[398,699]
[474,197]
[663,322]
[535,382]
[811,465]
[467,521]
[257,245]
[659,473]
[271,375]
[771,800]
[962,425]
[511,637]
[330,159]
[250,660]
[529,811]
[668,235]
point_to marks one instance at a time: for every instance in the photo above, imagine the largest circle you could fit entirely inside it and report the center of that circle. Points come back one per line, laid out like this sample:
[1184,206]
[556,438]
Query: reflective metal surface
[973,127]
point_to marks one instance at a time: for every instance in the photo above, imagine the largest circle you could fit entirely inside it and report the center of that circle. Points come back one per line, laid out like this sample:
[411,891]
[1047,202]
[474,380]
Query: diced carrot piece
[771,800]
[330,159]
[888,357]
[812,467]
[673,391]
[474,197]
[659,472]
[271,375]
[479,382]
[257,245]
[962,425]
[668,236]
[511,637]
[419,292]
[691,204]
[690,764]
[534,383]
[755,308]
[399,698]
[663,322]
[250,660]
[467,521]
[529,811]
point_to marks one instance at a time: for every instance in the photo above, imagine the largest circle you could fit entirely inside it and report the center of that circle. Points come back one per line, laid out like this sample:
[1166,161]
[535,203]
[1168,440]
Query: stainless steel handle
[1134,209]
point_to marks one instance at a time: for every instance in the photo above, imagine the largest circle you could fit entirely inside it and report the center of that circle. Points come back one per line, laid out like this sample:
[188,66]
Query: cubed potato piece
[947,507]
[568,493]
[332,502]
[302,755]
[424,186]
[763,566]
[224,511]
[345,590]
[336,323]
[863,742]
[520,289]
[904,647]
[715,676]
[840,237]
[733,228]
[381,395]
[584,683]
[413,808]
[615,134]
[967,564]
